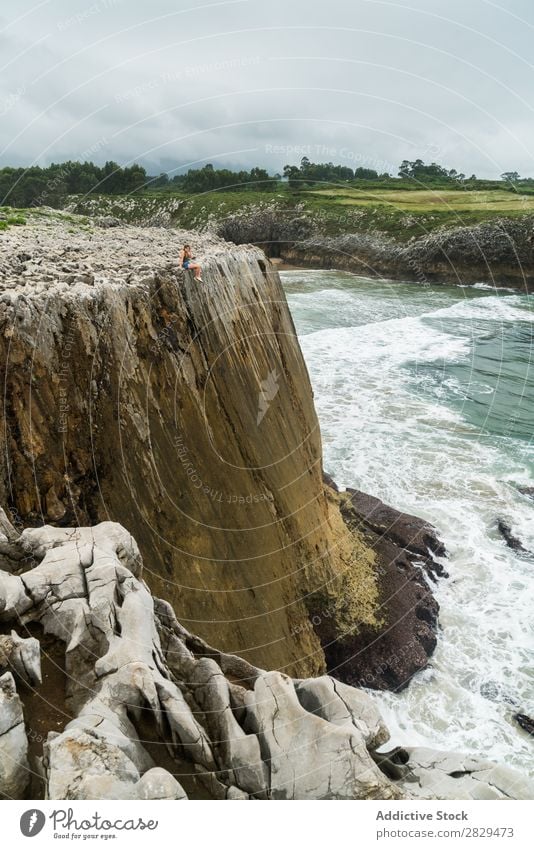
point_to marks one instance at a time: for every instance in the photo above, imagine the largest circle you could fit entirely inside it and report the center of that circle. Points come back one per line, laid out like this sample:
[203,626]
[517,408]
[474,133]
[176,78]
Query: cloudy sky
[243,82]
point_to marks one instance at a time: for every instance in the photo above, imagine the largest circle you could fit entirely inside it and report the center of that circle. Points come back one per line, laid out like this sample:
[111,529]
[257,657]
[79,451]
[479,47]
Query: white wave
[419,455]
[390,343]
[488,308]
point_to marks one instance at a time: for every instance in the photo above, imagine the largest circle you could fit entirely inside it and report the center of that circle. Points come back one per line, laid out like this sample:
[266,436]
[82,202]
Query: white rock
[343,705]
[157,783]
[310,758]
[14,767]
[451,775]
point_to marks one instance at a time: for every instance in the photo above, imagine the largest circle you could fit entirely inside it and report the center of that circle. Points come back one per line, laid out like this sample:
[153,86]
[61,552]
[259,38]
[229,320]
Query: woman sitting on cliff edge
[187,262]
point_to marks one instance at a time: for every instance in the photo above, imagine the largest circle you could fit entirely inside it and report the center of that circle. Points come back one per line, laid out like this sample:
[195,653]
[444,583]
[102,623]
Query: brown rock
[404,530]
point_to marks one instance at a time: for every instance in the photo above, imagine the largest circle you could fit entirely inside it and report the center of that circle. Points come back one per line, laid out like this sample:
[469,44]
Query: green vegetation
[10,218]
[209,179]
[27,187]
[333,210]
[337,199]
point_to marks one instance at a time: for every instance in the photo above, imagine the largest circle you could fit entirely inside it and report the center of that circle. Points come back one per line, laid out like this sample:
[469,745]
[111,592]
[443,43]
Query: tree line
[50,186]
[36,186]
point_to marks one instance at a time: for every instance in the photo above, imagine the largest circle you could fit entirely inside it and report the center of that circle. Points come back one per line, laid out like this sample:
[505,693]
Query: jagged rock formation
[135,209]
[499,251]
[136,679]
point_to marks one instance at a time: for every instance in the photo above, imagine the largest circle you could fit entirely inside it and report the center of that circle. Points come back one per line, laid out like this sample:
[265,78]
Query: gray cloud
[247,82]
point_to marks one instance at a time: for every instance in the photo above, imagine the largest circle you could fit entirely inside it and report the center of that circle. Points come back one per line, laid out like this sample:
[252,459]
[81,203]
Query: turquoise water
[425,397]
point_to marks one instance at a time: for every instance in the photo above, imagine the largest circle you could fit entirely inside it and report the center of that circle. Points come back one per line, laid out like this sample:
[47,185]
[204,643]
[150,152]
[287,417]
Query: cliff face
[134,393]
[500,252]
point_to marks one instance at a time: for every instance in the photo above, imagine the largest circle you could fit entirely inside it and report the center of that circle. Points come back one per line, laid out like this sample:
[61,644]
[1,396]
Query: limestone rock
[14,767]
[498,250]
[343,705]
[145,695]
[235,750]
[451,775]
[309,757]
[136,393]
[157,783]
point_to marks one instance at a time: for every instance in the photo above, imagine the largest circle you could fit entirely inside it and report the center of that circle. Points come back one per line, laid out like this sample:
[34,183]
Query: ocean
[425,396]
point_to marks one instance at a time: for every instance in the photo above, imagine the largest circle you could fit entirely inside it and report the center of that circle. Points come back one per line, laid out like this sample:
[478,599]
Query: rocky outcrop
[14,766]
[438,774]
[509,537]
[408,532]
[144,697]
[246,733]
[270,227]
[500,252]
[135,394]
[408,551]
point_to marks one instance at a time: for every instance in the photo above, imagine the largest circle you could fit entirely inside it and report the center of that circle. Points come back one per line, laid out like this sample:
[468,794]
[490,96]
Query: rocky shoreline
[498,253]
[218,725]
[133,394]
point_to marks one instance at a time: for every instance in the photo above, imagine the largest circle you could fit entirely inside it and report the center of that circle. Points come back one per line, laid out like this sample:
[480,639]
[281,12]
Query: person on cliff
[187,262]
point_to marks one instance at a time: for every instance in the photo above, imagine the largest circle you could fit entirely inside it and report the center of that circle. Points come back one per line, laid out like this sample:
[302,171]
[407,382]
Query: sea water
[425,396]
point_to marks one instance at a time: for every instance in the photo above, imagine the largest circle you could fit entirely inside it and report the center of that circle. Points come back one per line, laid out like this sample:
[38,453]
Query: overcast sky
[243,82]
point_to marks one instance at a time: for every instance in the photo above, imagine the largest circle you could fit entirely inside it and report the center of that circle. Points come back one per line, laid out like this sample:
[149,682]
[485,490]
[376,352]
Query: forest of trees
[209,179]
[322,172]
[417,170]
[35,186]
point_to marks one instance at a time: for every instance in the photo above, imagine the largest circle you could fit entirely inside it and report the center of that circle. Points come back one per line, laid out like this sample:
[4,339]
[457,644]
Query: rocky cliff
[133,393]
[498,251]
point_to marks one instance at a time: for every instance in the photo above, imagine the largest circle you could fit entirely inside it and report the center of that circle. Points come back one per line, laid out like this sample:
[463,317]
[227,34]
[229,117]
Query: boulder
[342,705]
[509,537]
[23,656]
[308,756]
[404,530]
[14,766]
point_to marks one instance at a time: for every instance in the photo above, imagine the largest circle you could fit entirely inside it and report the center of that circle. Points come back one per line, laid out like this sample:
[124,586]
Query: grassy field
[431,200]
[337,210]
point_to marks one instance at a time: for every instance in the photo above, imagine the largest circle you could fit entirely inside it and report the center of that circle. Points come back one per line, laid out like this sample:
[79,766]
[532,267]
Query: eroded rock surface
[500,252]
[408,552]
[244,731]
[133,393]
[14,766]
[145,696]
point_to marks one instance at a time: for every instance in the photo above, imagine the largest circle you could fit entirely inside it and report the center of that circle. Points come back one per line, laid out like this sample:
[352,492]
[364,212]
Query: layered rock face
[184,410]
[148,709]
[499,253]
